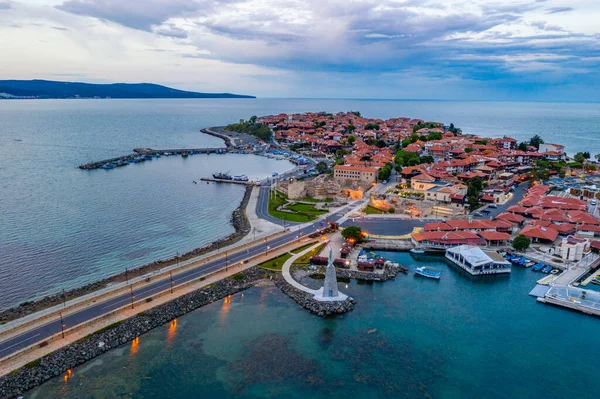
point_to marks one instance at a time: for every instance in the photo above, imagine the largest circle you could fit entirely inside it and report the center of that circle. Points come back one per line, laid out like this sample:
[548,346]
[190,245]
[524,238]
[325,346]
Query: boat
[555,271]
[240,178]
[425,272]
[184,154]
[108,166]
[537,267]
[222,176]
[546,269]
[417,251]
[595,281]
[275,174]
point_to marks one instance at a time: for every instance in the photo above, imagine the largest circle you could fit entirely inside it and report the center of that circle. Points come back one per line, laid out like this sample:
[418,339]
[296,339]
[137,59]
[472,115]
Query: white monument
[330,292]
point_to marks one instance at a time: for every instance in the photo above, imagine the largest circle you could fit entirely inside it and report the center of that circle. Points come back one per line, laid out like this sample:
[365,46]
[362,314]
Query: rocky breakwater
[306,300]
[58,362]
[389,273]
[239,221]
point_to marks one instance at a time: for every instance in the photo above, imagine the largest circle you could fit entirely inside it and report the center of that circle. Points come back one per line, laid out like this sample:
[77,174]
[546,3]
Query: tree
[468,150]
[351,139]
[381,144]
[252,120]
[322,167]
[535,141]
[372,141]
[586,155]
[353,232]
[453,129]
[597,156]
[355,113]
[406,142]
[521,243]
[579,157]
[434,136]
[385,172]
[350,128]
[372,126]
[427,159]
[522,146]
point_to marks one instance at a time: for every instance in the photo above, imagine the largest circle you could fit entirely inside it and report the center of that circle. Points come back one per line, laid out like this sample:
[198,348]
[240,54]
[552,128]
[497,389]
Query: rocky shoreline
[211,132]
[77,353]
[239,221]
[389,273]
[305,299]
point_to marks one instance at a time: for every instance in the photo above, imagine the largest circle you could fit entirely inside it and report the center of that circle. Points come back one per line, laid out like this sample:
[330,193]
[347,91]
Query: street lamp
[132,296]
[62,325]
[126,277]
[171,277]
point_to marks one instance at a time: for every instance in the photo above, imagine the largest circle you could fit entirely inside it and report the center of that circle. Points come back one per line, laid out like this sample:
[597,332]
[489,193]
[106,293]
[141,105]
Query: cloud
[136,14]
[557,10]
[59,28]
[5,5]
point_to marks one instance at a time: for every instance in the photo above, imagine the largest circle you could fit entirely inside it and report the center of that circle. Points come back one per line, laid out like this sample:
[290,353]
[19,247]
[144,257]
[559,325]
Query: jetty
[146,154]
[212,179]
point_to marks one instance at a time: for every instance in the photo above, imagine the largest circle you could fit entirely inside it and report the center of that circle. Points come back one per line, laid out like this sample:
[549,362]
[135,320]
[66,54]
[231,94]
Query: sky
[536,50]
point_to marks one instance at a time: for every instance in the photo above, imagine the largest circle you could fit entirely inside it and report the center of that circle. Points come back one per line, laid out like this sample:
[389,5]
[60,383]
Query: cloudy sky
[427,49]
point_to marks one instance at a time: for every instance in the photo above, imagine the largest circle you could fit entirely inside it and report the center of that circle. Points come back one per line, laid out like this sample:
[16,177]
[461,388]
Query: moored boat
[222,176]
[417,251]
[240,178]
[425,272]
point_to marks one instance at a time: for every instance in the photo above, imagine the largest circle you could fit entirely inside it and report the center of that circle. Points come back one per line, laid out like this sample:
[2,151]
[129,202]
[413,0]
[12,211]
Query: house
[494,238]
[445,239]
[361,174]
[540,234]
[573,249]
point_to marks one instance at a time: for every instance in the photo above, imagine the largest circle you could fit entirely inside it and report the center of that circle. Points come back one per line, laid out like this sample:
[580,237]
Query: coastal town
[358,187]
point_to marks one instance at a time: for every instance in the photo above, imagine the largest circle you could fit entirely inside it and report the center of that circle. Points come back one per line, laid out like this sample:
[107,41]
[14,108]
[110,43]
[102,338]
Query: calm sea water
[460,337]
[61,227]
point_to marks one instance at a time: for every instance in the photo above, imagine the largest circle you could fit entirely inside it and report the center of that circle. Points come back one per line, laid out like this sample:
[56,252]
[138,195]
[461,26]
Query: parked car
[593,202]
[493,206]
[485,212]
[477,214]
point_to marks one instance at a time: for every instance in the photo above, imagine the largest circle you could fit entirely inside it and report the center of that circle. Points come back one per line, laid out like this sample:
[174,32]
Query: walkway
[317,294]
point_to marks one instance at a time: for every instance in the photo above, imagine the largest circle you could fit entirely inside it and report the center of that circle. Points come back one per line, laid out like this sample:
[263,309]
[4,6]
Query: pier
[146,154]
[212,179]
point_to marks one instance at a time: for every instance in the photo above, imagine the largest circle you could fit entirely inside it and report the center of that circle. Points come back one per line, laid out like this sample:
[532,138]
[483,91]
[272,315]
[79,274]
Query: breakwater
[239,221]
[140,155]
[58,362]
[306,300]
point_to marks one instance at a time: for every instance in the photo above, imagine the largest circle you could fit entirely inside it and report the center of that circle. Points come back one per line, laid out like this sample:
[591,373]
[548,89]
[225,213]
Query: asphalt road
[40,333]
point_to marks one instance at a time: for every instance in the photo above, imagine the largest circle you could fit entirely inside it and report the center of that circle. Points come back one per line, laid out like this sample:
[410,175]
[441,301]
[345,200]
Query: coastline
[79,352]
[240,223]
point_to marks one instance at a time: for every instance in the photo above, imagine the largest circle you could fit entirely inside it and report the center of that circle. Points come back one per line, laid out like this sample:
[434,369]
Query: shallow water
[460,337]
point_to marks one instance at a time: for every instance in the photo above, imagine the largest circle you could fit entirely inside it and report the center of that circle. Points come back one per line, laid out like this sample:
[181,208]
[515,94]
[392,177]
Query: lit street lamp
[62,325]
[132,296]
[171,277]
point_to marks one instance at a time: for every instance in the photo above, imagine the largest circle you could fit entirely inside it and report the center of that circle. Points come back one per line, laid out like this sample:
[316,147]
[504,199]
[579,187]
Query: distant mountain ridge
[53,89]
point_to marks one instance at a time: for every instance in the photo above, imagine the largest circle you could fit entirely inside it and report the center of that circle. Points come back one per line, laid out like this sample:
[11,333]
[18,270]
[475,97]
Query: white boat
[417,251]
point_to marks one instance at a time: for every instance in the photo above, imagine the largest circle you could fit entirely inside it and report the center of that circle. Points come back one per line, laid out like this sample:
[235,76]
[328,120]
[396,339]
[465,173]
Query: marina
[476,261]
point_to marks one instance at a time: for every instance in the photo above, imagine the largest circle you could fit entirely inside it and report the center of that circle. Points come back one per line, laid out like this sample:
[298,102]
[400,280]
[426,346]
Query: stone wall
[77,353]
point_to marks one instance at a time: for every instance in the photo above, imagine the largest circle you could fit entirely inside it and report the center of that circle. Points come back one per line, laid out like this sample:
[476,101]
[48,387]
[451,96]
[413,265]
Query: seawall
[75,354]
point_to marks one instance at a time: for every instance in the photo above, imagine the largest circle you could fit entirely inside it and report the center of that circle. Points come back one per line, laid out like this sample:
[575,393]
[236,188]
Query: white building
[573,249]
[476,261]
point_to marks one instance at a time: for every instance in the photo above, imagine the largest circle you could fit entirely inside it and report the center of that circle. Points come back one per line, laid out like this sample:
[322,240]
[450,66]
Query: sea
[459,337]
[62,227]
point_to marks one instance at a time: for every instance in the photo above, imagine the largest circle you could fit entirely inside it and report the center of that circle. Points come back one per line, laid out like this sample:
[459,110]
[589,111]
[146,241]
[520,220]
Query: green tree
[372,126]
[579,157]
[426,159]
[535,141]
[586,155]
[522,146]
[414,137]
[434,136]
[350,128]
[381,144]
[322,167]
[355,113]
[521,243]
[385,172]
[252,120]
[468,150]
[351,139]
[371,141]
[406,142]
[353,232]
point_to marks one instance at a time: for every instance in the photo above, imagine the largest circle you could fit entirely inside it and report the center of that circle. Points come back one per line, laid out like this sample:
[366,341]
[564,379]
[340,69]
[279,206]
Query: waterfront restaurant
[476,261]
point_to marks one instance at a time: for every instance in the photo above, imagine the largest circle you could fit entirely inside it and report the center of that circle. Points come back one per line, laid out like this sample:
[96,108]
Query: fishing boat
[425,272]
[596,281]
[546,269]
[537,267]
[108,166]
[417,251]
[555,271]
[222,176]
[184,154]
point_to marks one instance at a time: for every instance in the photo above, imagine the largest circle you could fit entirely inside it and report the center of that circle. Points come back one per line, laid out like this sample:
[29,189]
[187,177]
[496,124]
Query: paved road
[40,333]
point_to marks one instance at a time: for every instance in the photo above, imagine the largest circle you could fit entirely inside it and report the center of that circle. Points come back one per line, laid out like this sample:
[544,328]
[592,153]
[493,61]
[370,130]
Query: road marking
[20,342]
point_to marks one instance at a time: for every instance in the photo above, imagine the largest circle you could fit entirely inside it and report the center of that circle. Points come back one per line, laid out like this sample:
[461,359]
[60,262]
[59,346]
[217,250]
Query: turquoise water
[460,337]
[62,227]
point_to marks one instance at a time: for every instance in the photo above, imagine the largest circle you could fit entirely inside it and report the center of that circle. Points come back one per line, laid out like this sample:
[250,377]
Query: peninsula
[48,89]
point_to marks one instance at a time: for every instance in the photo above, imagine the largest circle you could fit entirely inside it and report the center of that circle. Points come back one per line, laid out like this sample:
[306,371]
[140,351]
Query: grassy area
[281,199]
[310,199]
[305,259]
[237,276]
[302,248]
[275,264]
[305,208]
[369,210]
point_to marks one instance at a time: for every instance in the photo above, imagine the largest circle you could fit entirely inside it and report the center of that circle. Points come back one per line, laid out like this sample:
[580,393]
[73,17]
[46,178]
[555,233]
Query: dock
[146,154]
[212,179]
